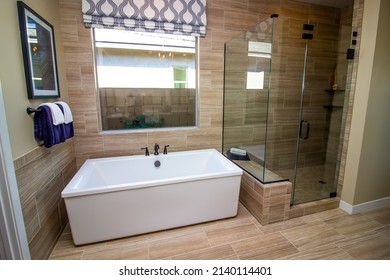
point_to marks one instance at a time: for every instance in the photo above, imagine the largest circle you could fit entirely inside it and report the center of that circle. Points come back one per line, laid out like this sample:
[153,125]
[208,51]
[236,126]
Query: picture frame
[39,54]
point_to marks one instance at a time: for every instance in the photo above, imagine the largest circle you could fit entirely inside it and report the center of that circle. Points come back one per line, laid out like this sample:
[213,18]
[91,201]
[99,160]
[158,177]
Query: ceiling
[332,3]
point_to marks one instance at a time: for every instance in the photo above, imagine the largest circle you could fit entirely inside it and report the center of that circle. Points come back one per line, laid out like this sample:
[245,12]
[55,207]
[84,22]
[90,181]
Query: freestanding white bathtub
[122,196]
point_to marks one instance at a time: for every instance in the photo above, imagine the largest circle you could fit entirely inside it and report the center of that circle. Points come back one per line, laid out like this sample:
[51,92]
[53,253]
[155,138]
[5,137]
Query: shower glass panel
[286,91]
[248,61]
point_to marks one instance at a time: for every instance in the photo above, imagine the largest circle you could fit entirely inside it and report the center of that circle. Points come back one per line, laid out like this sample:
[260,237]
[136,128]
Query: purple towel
[46,131]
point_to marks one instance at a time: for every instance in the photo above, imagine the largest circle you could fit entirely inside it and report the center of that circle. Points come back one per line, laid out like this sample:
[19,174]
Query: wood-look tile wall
[41,175]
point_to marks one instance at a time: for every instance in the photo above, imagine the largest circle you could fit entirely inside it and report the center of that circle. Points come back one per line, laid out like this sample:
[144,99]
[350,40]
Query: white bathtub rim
[145,184]
[69,192]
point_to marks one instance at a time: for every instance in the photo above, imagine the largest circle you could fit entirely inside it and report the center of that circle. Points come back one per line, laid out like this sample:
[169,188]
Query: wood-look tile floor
[331,234]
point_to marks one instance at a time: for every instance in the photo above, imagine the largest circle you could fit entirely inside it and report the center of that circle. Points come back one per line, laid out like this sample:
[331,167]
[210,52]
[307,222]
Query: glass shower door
[320,129]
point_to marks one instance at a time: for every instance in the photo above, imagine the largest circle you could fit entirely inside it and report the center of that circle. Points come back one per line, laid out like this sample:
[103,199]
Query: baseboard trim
[364,207]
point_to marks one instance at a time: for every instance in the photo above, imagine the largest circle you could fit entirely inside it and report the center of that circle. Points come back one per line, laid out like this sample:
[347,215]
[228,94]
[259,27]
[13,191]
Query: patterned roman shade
[185,17]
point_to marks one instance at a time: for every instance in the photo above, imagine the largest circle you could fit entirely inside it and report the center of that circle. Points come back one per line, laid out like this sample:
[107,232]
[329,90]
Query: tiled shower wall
[357,21]
[41,175]
[246,110]
[339,99]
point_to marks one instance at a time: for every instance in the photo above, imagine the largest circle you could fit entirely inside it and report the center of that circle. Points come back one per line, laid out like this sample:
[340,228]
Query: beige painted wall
[373,181]
[20,125]
[368,160]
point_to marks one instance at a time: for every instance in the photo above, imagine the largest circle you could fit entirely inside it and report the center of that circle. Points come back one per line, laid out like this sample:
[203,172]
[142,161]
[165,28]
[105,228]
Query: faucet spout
[156,147]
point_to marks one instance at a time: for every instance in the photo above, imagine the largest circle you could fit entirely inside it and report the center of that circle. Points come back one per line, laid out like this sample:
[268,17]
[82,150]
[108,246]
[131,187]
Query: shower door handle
[304,135]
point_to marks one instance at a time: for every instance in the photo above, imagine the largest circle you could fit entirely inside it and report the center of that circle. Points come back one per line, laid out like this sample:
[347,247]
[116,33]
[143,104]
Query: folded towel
[66,110]
[45,130]
[67,126]
[56,114]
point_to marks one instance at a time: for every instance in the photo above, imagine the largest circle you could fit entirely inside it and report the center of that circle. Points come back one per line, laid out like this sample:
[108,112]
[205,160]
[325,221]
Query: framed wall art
[39,54]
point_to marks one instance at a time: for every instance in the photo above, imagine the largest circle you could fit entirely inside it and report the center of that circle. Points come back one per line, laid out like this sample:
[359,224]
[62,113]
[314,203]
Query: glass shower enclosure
[286,89]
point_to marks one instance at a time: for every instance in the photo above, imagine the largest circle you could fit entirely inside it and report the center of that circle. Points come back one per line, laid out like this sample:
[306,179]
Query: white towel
[67,112]
[56,113]
[237,151]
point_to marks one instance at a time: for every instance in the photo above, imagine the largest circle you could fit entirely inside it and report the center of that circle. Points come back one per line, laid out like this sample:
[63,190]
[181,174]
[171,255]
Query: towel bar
[30,110]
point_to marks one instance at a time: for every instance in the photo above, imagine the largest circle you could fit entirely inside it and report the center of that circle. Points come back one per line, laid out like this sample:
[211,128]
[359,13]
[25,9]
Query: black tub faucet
[165,149]
[146,151]
[156,147]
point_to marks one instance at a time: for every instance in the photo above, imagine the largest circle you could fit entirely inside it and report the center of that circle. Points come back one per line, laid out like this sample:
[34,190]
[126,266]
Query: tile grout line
[346,252]
[148,246]
[237,255]
[208,240]
[292,244]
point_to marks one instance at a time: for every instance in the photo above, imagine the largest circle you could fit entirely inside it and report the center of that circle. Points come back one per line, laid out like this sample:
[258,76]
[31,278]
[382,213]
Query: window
[146,80]
[180,77]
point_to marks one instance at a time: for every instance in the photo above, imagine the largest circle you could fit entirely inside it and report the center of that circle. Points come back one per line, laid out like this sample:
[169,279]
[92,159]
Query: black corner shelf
[331,107]
[333,91]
